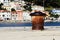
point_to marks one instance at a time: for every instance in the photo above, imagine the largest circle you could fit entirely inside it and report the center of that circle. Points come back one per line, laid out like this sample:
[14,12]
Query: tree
[36,2]
[11,0]
[13,9]
[56,16]
[1,4]
[28,7]
[51,15]
[53,3]
[28,0]
[46,3]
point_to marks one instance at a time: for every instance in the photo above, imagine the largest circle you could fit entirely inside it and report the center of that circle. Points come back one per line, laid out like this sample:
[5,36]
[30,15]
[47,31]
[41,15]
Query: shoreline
[29,28]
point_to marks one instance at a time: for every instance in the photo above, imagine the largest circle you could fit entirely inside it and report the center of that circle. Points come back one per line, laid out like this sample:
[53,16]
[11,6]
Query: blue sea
[27,24]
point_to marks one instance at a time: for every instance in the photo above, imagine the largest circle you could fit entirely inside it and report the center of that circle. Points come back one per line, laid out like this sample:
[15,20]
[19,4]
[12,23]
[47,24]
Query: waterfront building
[2,10]
[56,11]
[7,7]
[17,15]
[16,4]
[26,16]
[6,2]
[5,15]
[13,15]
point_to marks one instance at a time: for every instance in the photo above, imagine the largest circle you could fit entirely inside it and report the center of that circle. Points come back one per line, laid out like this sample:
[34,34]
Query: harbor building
[5,15]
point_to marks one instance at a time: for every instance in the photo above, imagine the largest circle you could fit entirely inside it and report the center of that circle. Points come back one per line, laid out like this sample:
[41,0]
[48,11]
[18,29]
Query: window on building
[13,15]
[8,19]
[3,15]
[7,15]
[4,18]
[16,15]
[14,18]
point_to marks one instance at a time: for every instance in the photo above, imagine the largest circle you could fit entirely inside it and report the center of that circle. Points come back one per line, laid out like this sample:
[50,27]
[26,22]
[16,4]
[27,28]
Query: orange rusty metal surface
[37,22]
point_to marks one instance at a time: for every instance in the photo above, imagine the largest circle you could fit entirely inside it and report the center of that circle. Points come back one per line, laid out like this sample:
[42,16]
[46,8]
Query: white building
[56,11]
[5,16]
[14,16]
[26,16]
[16,4]
[6,2]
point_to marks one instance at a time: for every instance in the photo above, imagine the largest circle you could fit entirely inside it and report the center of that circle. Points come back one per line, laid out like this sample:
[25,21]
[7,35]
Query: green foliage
[28,0]
[4,9]
[48,8]
[28,7]
[13,9]
[46,3]
[36,2]
[1,4]
[51,15]
[54,15]
[11,0]
[53,3]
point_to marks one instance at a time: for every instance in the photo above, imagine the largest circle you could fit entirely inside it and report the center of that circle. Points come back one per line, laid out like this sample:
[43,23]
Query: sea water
[28,24]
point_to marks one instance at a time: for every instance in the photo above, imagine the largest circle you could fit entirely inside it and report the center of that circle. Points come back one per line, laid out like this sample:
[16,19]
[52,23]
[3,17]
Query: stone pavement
[20,34]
